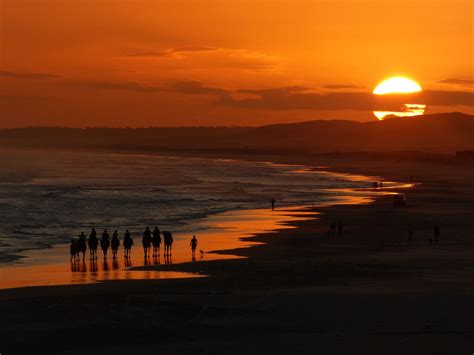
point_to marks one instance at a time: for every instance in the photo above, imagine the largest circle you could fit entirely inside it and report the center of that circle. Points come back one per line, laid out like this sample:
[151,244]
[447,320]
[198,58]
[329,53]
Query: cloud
[15,98]
[170,52]
[194,49]
[258,67]
[339,87]
[196,88]
[447,98]
[457,81]
[127,86]
[246,59]
[185,87]
[297,97]
[300,98]
[27,75]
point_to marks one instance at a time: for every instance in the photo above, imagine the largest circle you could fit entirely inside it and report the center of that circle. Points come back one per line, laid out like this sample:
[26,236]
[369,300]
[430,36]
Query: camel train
[151,242]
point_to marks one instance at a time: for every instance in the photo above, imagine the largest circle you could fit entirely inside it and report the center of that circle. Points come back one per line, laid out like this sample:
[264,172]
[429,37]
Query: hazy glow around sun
[397,85]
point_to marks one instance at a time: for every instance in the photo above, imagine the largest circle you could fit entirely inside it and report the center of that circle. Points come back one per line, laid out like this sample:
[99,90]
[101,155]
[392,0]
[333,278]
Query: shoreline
[50,263]
[222,231]
[367,290]
[18,254]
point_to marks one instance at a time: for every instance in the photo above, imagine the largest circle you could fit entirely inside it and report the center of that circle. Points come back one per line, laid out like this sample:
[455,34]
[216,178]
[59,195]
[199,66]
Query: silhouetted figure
[410,236]
[168,240]
[115,264]
[93,265]
[115,243]
[339,228]
[93,243]
[105,243]
[165,242]
[273,203]
[73,250]
[381,184]
[146,241]
[376,184]
[194,243]
[73,266]
[167,258]
[105,265]
[156,241]
[436,234]
[128,261]
[333,229]
[127,244]
[82,245]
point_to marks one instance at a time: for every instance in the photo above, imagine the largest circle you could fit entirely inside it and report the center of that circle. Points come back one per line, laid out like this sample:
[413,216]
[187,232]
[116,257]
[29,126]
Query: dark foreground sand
[365,292]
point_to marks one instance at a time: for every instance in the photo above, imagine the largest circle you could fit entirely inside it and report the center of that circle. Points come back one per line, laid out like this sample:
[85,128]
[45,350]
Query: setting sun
[397,85]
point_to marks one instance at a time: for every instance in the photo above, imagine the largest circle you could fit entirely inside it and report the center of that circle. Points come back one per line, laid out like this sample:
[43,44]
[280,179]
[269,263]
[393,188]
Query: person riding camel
[146,241]
[105,243]
[115,243]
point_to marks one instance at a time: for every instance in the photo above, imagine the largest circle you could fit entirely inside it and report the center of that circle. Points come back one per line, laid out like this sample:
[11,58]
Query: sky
[140,63]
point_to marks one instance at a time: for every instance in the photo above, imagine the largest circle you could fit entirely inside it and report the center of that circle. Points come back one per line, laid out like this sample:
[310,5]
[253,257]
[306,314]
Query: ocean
[47,197]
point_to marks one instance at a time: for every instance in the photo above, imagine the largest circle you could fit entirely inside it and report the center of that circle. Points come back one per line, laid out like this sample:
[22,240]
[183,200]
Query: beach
[236,177]
[225,231]
[49,198]
[296,291]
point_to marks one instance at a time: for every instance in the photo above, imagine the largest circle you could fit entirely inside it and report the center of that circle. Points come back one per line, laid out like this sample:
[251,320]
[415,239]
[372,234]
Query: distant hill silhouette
[447,132]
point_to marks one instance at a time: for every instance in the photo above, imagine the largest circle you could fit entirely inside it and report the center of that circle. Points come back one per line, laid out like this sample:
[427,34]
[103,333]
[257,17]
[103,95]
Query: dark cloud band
[25,75]
[298,99]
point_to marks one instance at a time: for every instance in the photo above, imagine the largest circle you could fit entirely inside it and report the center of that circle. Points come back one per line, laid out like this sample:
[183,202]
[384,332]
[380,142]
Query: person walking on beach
[115,243]
[93,242]
[127,244]
[194,243]
[156,241]
[436,233]
[273,203]
[82,245]
[105,243]
[168,239]
[146,241]
[170,242]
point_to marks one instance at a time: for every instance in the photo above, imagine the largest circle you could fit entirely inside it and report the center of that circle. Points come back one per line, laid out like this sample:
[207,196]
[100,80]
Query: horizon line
[236,126]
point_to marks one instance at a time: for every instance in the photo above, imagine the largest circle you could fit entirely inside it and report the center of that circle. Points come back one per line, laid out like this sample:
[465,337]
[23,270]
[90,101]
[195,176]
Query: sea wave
[57,195]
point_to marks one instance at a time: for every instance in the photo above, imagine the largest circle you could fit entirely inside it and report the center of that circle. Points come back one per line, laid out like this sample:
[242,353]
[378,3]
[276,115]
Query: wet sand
[366,291]
[223,231]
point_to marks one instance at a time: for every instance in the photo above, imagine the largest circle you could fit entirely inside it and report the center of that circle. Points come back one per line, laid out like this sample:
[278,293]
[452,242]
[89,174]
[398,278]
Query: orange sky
[225,62]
